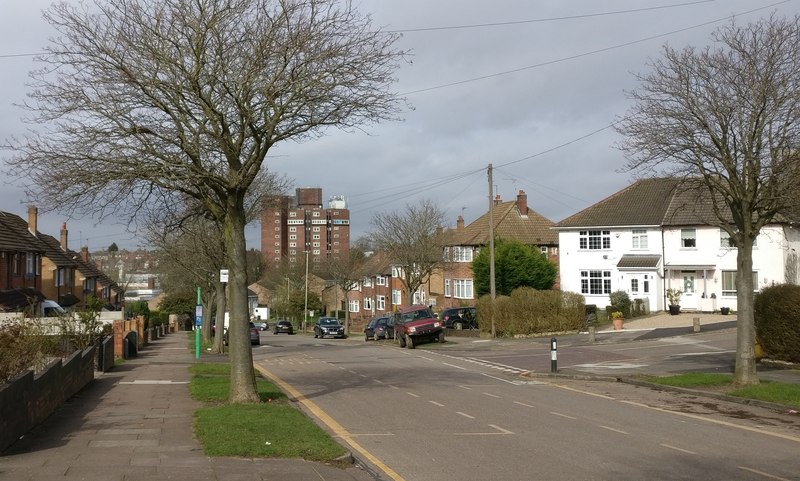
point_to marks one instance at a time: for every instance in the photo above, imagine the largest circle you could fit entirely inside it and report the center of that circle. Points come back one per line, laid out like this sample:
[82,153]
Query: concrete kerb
[663,387]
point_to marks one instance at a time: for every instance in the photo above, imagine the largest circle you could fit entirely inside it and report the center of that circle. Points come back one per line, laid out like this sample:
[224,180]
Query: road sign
[198,315]
[223,276]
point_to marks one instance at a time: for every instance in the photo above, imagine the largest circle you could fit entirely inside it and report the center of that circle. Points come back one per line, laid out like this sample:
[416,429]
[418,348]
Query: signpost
[198,322]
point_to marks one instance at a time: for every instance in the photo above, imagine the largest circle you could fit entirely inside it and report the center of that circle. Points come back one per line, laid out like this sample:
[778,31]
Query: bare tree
[413,239]
[147,101]
[727,119]
[346,274]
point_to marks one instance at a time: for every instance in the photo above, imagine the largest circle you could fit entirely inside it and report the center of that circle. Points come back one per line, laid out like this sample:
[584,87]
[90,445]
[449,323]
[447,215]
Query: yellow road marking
[334,426]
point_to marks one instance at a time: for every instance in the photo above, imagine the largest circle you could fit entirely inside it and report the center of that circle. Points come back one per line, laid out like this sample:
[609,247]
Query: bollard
[553,354]
[592,332]
[696,324]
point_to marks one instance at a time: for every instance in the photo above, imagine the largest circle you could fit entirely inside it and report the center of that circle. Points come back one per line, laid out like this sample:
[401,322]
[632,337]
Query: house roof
[660,201]
[15,236]
[531,229]
[638,261]
[644,202]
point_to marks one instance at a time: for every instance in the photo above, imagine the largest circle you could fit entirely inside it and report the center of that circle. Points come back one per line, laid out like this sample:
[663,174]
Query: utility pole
[492,290]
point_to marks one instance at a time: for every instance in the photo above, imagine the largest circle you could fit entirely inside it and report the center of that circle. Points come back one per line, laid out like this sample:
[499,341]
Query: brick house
[454,284]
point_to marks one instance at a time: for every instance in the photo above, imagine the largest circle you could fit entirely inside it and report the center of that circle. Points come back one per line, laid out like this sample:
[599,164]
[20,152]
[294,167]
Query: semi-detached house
[655,235]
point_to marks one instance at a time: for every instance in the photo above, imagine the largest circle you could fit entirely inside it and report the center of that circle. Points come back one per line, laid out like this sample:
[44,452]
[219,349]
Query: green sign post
[198,322]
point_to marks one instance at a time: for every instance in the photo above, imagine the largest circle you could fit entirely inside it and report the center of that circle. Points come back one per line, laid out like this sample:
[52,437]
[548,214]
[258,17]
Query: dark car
[377,329]
[255,336]
[283,326]
[328,326]
[460,318]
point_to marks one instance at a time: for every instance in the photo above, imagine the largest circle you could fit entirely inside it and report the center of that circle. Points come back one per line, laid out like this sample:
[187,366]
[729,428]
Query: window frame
[594,239]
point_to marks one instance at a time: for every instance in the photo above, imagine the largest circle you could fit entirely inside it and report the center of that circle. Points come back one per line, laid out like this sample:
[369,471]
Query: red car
[417,323]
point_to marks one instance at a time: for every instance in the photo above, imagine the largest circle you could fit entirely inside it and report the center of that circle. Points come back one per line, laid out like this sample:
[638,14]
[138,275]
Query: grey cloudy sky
[526,85]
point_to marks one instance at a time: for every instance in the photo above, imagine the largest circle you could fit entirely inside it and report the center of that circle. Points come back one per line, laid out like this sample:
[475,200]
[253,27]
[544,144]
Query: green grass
[273,428]
[770,391]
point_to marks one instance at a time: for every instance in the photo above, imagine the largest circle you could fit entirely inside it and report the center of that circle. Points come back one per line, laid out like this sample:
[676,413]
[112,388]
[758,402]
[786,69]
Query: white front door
[689,298]
[641,286]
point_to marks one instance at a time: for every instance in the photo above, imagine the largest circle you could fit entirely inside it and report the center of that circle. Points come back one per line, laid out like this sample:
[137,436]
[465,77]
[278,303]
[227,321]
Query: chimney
[85,254]
[459,224]
[33,219]
[522,203]
[497,200]
[64,236]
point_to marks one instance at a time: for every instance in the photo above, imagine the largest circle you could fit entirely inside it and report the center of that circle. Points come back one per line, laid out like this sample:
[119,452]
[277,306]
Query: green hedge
[777,319]
[529,312]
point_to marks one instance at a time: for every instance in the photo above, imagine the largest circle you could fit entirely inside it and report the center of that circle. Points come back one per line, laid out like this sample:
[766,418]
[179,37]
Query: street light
[305,310]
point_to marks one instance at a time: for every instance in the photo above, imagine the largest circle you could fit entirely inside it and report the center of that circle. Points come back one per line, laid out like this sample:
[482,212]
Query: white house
[654,235]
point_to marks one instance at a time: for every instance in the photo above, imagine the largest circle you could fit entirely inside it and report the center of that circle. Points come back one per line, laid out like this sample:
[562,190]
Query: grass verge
[273,428]
[770,391]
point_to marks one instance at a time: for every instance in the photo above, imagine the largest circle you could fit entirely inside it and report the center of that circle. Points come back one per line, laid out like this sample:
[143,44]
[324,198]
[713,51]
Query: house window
[315,229]
[462,254]
[419,297]
[315,237]
[634,286]
[292,214]
[367,282]
[316,213]
[397,297]
[380,280]
[63,277]
[30,265]
[293,237]
[292,229]
[595,239]
[646,284]
[367,303]
[292,244]
[725,241]
[89,284]
[352,305]
[639,239]
[729,283]
[397,271]
[596,282]
[316,251]
[689,238]
[381,303]
[543,250]
[462,288]
[447,288]
[15,264]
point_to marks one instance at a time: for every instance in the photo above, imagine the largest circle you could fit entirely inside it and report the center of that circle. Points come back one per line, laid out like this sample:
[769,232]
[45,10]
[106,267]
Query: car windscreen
[329,322]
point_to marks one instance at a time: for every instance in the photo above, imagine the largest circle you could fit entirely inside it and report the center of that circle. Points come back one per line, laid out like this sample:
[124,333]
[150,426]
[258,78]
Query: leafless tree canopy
[142,104]
[413,239]
[727,119]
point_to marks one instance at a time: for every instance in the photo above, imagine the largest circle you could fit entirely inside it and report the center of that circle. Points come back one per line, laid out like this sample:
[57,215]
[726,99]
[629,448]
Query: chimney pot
[33,219]
[522,203]
[64,235]
[460,223]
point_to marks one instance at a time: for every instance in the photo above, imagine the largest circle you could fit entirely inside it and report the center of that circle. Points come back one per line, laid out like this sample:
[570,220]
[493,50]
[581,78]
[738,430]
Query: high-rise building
[295,227]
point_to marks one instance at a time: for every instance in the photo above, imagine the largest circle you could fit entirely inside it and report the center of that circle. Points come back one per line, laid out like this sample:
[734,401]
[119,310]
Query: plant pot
[674,309]
[725,310]
[617,324]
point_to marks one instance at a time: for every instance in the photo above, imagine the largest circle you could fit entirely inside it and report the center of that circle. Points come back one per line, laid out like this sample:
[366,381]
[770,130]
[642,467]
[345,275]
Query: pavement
[136,423]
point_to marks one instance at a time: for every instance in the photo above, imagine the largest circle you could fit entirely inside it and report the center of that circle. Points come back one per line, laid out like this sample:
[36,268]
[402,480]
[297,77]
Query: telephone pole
[492,290]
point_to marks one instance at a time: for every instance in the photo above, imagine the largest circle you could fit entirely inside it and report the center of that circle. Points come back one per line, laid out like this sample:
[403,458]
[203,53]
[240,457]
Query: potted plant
[617,320]
[674,299]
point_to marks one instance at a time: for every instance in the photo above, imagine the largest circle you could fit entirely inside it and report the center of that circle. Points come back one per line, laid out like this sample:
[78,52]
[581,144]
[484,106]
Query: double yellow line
[337,428]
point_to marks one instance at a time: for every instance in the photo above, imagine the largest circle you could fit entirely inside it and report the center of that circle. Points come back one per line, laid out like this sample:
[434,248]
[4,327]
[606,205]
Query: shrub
[777,320]
[528,312]
[621,301]
[24,346]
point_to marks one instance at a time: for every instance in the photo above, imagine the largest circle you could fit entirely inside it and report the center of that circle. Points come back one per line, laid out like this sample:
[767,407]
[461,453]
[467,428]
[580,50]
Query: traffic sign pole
[198,321]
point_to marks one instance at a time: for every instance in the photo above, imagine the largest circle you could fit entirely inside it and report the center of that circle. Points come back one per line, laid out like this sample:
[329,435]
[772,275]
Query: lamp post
[305,309]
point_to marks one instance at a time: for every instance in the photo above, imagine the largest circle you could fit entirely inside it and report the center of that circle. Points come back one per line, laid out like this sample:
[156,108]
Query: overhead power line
[548,19]
[591,52]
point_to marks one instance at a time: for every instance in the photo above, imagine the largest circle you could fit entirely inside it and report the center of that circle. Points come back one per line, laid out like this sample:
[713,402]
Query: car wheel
[409,342]
[401,340]
[458,326]
[366,337]
[376,336]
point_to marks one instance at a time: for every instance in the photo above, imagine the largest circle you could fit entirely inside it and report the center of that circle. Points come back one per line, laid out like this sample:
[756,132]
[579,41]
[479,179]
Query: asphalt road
[465,413]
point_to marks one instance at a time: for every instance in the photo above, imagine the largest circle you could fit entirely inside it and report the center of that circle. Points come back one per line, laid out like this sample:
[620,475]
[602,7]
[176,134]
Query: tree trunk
[745,369]
[243,382]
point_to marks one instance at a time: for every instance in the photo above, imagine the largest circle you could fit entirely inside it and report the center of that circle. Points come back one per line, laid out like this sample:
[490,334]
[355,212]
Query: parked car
[263,326]
[417,323]
[328,326]
[460,318]
[255,336]
[377,329]
[283,326]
